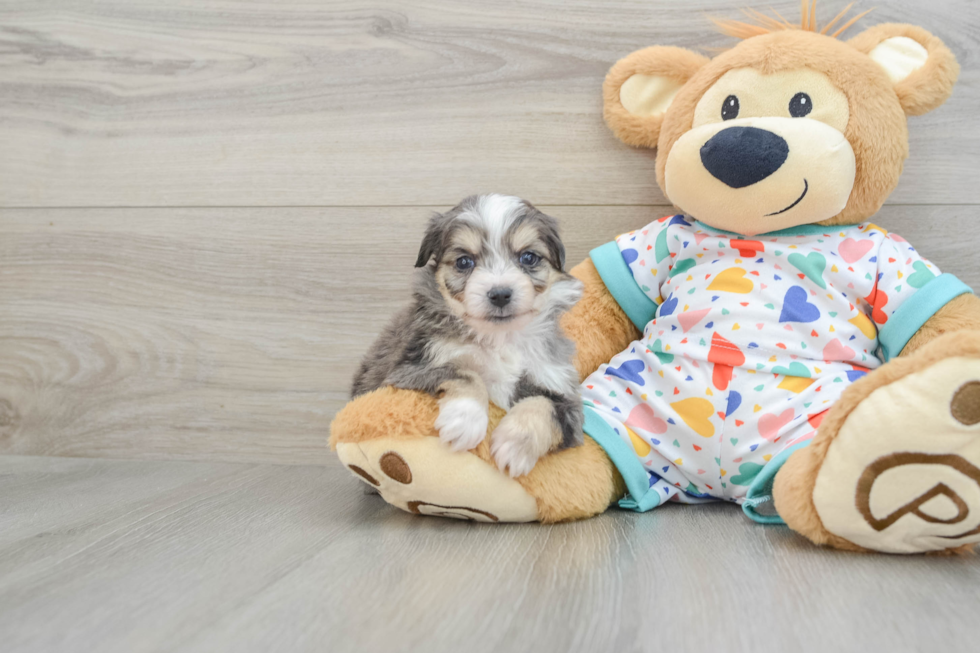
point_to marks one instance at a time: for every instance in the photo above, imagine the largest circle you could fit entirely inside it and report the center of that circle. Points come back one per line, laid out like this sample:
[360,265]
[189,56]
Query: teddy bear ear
[920,66]
[640,87]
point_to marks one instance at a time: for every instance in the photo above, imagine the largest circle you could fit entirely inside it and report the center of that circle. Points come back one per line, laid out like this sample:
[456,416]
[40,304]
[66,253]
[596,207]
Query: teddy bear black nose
[742,156]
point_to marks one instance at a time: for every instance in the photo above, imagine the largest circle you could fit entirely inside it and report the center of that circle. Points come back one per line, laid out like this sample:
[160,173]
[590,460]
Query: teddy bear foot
[424,477]
[896,467]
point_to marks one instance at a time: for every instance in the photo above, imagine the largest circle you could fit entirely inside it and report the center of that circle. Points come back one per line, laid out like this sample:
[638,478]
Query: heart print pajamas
[747,342]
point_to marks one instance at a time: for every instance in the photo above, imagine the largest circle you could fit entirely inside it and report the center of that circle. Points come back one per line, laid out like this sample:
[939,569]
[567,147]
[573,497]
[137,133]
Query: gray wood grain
[232,334]
[270,102]
[109,556]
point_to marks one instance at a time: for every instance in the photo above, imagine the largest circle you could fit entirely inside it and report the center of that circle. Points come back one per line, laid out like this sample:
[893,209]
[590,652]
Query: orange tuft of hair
[763,24]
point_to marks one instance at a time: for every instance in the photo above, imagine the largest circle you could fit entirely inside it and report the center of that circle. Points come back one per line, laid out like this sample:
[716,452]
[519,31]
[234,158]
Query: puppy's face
[498,263]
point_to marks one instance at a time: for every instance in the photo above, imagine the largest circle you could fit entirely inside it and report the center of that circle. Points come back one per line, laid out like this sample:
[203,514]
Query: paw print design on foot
[423,477]
[902,474]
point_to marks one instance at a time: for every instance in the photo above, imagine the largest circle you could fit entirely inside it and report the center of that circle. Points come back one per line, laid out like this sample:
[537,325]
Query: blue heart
[629,371]
[630,255]
[854,375]
[669,306]
[796,308]
[734,401]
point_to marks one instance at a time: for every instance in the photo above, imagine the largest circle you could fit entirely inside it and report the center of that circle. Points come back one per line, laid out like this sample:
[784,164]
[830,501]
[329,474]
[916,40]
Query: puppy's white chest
[501,369]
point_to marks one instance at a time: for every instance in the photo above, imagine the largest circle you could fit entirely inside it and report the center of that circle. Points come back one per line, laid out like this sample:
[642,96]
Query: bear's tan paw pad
[424,477]
[903,473]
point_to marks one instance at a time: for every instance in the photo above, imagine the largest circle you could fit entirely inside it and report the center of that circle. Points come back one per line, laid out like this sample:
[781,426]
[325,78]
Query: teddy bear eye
[800,105]
[729,110]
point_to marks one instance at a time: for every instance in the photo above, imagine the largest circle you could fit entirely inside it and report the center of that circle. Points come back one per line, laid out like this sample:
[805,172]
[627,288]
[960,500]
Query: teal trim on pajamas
[906,321]
[642,497]
[619,280]
[801,230]
[758,504]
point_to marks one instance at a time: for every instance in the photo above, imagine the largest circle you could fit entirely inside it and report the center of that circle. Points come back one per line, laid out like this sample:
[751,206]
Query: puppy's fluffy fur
[483,326]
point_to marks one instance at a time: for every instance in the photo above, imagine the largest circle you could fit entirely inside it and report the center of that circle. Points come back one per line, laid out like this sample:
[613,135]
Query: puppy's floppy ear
[432,242]
[921,67]
[640,87]
[548,232]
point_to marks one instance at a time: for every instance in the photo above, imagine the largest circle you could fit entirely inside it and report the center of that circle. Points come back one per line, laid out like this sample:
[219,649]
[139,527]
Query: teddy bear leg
[386,439]
[895,466]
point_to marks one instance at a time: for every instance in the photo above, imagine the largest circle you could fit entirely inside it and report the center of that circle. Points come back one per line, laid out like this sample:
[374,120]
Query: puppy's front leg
[540,421]
[463,416]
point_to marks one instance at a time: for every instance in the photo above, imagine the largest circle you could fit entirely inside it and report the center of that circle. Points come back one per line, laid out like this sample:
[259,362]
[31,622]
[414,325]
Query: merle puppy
[483,326]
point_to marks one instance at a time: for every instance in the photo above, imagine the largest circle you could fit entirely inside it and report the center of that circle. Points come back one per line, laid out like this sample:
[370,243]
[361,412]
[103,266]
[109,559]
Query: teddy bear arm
[961,314]
[597,324]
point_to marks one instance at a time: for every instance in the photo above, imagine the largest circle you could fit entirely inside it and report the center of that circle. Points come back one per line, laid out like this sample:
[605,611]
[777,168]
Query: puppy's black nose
[742,156]
[500,297]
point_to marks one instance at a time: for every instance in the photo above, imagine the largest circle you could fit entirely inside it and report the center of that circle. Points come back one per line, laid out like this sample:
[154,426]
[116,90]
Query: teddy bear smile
[806,189]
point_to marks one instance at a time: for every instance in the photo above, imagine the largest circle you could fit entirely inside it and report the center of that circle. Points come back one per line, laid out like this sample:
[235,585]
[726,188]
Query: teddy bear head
[791,126]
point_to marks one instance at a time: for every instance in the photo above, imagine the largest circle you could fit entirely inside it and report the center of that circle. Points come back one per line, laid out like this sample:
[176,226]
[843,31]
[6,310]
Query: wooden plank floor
[108,556]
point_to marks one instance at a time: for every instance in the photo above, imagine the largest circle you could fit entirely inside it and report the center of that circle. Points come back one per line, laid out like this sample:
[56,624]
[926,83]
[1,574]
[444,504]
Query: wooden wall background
[208,207]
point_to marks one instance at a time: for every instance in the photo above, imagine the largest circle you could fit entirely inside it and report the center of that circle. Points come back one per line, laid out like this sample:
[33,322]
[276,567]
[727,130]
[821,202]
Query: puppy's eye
[729,110]
[529,259]
[800,106]
[464,263]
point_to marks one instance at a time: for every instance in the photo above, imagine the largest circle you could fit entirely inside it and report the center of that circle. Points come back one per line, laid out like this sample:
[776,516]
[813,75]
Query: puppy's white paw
[462,423]
[514,448]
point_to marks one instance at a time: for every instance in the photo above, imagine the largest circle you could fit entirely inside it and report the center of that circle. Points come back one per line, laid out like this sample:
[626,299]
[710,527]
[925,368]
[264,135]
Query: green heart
[770,306]
[612,394]
[922,276]
[794,369]
[746,474]
[759,388]
[734,441]
[718,460]
[676,443]
[663,250]
[645,288]
[659,393]
[658,350]
[691,291]
[682,267]
[812,265]
[724,311]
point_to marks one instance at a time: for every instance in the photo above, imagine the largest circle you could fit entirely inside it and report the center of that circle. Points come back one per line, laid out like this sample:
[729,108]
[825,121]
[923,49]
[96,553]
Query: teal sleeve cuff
[910,316]
[641,498]
[758,504]
[619,280]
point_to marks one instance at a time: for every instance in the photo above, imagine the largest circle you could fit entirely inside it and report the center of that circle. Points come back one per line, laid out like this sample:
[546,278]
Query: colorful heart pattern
[753,340]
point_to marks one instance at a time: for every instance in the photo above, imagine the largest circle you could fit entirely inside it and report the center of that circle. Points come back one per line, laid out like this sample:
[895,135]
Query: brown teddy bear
[768,346]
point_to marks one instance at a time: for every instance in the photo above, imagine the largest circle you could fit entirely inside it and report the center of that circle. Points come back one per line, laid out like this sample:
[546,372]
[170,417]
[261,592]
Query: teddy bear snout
[742,156]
